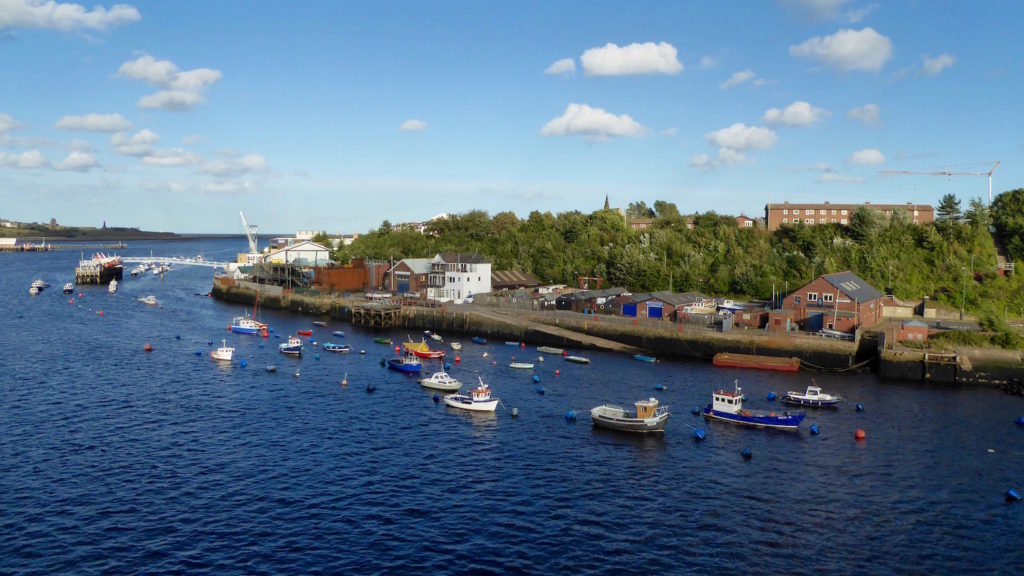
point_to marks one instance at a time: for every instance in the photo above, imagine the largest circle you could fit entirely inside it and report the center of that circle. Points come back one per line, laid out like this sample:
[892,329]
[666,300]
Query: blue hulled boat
[479,340]
[407,363]
[329,347]
[293,347]
[728,406]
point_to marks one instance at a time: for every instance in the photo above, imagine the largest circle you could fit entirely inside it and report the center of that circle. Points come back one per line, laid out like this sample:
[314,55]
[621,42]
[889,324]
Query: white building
[305,253]
[456,276]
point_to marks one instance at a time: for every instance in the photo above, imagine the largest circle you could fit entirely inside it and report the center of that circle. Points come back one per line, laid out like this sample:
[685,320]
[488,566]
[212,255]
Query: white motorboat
[813,396]
[550,350]
[112,287]
[69,288]
[478,400]
[441,381]
[224,353]
[648,417]
[521,365]
[148,300]
[33,290]
[456,345]
[40,284]
[578,359]
[435,336]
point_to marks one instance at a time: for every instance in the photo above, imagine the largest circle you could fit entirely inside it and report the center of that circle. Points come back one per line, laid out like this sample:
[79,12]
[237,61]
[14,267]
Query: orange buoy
[457,359]
[771,414]
[860,434]
[564,353]
[148,347]
[266,334]
[229,328]
[522,344]
[71,301]
[396,348]
[100,312]
[557,372]
[495,363]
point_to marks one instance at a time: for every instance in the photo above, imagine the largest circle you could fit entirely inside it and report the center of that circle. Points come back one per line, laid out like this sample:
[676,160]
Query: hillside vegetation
[934,260]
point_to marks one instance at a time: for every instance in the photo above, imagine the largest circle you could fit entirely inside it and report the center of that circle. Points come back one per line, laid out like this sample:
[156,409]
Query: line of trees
[952,260]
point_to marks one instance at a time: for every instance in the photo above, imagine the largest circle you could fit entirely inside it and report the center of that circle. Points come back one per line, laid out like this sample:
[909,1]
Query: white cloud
[167,186]
[80,145]
[740,137]
[236,166]
[868,114]
[77,161]
[565,66]
[171,157]
[62,16]
[725,157]
[707,62]
[835,178]
[867,157]
[7,123]
[703,162]
[226,187]
[646,58]
[592,123]
[413,125]
[95,123]
[932,66]
[799,113]
[856,15]
[847,50]
[738,78]
[182,90]
[192,139]
[28,160]
[138,144]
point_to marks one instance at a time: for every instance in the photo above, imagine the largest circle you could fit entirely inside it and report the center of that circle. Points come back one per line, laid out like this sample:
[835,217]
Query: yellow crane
[949,173]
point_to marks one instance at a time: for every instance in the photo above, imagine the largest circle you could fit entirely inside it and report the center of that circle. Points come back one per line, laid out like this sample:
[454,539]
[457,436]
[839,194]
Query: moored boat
[304,332]
[511,343]
[244,325]
[478,400]
[728,406]
[339,333]
[647,417]
[578,359]
[329,347]
[479,340]
[69,288]
[319,323]
[224,353]
[422,350]
[441,381]
[293,347]
[33,290]
[383,341]
[521,365]
[40,284]
[550,350]
[456,346]
[112,287]
[149,300]
[436,336]
[643,358]
[813,396]
[407,363]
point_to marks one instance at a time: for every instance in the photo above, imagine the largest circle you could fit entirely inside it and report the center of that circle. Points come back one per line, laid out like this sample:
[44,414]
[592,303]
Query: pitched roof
[460,258]
[512,278]
[852,285]
[417,265]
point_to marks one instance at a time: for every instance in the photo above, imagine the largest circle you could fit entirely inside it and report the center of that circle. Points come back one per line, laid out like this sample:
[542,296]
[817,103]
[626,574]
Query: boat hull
[814,403]
[407,367]
[778,422]
[466,403]
[241,330]
[479,340]
[429,353]
[336,347]
[730,360]
[643,358]
[577,359]
[292,351]
[623,424]
[550,350]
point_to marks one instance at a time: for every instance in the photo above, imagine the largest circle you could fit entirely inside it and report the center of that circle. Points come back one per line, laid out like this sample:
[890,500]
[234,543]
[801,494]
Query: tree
[948,210]
[639,210]
[1007,213]
[323,239]
[665,209]
[977,214]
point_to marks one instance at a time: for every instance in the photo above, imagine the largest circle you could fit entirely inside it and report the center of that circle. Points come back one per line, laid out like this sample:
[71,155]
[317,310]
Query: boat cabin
[812,392]
[646,408]
[731,402]
[481,393]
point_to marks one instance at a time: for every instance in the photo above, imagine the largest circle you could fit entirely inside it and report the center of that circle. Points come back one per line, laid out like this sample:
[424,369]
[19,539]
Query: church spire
[606,205]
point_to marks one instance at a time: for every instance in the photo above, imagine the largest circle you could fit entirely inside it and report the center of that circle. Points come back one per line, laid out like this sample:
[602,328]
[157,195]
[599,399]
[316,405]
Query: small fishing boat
[112,287]
[511,343]
[479,340]
[69,288]
[578,359]
[293,347]
[422,350]
[149,300]
[33,290]
[319,323]
[478,400]
[728,406]
[244,325]
[304,332]
[339,333]
[648,417]
[224,353]
[436,336]
[456,346]
[40,284]
[441,381]
[643,358]
[408,363]
[329,347]
[550,350]
[383,341]
[812,397]
[521,365]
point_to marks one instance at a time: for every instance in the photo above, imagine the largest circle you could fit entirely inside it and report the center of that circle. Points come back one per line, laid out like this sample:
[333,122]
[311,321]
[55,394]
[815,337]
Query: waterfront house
[842,301]
[305,253]
[455,276]
[409,276]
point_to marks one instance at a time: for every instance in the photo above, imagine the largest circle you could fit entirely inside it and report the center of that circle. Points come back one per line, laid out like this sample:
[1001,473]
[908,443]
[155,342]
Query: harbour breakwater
[570,330]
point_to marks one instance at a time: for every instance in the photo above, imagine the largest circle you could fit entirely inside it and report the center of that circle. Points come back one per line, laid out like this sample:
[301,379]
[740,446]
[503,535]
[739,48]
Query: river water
[117,460]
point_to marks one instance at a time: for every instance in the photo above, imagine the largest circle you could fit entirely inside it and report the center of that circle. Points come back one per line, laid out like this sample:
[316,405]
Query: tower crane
[948,173]
[250,234]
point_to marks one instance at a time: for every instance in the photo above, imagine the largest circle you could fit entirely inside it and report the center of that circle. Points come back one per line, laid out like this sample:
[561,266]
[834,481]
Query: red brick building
[786,214]
[842,301]
[913,330]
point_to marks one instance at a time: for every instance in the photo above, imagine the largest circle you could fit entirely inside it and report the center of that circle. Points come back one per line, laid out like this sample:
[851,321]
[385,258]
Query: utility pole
[963,298]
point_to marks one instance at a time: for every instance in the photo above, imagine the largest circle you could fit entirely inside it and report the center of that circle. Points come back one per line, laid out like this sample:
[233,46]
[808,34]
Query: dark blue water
[114,460]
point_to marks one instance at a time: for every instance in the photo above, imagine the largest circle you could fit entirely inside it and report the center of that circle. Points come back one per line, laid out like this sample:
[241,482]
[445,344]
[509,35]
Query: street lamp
[699,280]
[890,279]
[963,298]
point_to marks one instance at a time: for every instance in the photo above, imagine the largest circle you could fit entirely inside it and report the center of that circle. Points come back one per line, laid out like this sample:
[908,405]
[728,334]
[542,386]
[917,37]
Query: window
[833,220]
[843,221]
[748,224]
[785,210]
[915,212]
[812,296]
[785,220]
[822,212]
[827,297]
[842,212]
[833,213]
[809,221]
[796,299]
[821,220]
[796,220]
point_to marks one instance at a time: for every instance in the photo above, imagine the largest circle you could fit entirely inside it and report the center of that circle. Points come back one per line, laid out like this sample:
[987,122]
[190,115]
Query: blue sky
[338,115]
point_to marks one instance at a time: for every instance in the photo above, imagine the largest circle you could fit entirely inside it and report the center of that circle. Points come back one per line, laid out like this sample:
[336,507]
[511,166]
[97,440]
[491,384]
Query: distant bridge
[172,260]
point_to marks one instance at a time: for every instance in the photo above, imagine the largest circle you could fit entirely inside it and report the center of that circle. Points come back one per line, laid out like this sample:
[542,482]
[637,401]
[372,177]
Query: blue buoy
[271,329]
[1020,420]
[695,410]
[659,386]
[242,363]
[771,396]
[570,415]
[177,336]
[447,366]
[383,362]
[261,344]
[437,397]
[515,412]
[814,429]
[210,342]
[277,335]
[536,378]
[860,407]
[698,434]
[370,387]
[1012,495]
[199,352]
[540,389]
[747,454]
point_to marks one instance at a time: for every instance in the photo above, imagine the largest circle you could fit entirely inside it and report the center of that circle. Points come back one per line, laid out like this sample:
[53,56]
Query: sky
[337,116]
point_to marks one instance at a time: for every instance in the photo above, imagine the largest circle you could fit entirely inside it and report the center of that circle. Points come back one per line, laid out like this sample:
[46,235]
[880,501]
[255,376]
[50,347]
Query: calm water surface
[114,460]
